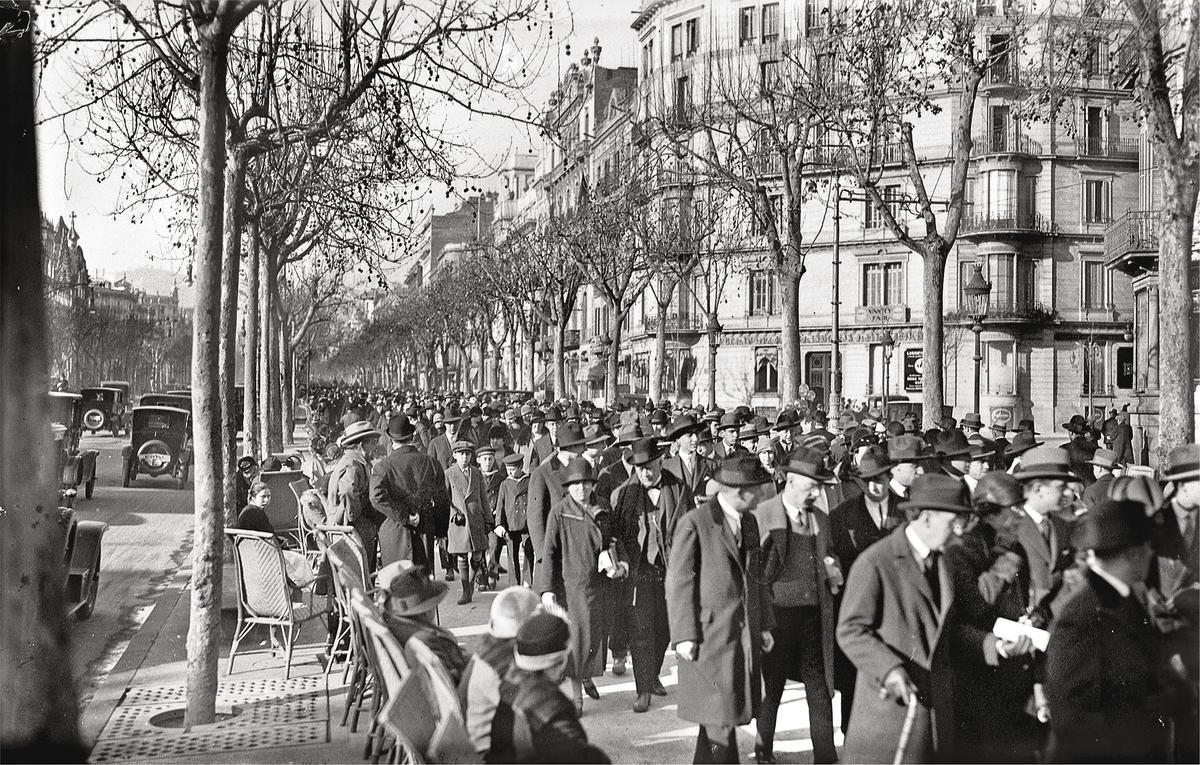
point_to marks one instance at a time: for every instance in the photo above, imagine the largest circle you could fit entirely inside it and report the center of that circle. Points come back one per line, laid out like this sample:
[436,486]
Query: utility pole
[835,361]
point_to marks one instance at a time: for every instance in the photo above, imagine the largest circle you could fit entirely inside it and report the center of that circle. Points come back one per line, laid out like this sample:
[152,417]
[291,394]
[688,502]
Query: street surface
[148,538]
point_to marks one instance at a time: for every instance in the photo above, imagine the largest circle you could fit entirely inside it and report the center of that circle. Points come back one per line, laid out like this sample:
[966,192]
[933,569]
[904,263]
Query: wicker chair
[305,529]
[388,668]
[264,595]
[283,512]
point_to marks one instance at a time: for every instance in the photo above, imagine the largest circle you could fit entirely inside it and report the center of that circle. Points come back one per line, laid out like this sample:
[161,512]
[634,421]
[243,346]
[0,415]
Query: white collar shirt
[733,519]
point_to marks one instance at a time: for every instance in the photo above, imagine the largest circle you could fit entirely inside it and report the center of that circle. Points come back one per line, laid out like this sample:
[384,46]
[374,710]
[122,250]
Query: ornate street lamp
[889,345]
[714,341]
[978,293]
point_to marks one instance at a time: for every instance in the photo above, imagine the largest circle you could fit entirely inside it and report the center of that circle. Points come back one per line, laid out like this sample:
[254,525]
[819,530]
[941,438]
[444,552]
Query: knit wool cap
[511,609]
[541,642]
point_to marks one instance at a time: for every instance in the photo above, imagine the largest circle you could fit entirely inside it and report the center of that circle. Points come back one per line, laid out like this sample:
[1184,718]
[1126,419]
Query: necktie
[932,577]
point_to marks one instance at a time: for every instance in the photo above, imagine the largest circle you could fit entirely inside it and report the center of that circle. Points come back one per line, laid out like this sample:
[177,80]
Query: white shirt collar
[898,488]
[792,511]
[1034,514]
[1122,588]
[920,548]
[732,517]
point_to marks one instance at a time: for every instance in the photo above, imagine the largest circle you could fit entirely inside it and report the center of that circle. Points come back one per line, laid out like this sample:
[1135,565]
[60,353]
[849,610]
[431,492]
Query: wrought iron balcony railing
[1028,221]
[1136,231]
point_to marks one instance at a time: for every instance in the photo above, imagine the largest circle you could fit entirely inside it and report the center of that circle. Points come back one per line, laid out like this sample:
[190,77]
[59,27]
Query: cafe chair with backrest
[264,594]
[284,510]
[388,667]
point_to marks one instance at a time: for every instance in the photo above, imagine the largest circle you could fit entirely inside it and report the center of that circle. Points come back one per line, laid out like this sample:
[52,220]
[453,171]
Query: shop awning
[591,372]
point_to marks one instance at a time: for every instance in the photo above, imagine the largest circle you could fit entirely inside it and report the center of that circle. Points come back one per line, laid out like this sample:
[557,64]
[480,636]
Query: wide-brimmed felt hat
[873,463]
[579,470]
[570,436]
[1022,442]
[972,420]
[1105,458]
[786,420]
[645,450]
[1077,424]
[743,412]
[981,448]
[951,444]
[1027,425]
[400,427]
[596,435]
[1112,525]
[1183,463]
[907,449]
[628,433]
[860,437]
[357,431]
[809,463]
[748,432]
[1046,462]
[682,425]
[714,415]
[742,470]
[659,417]
[729,420]
[936,491]
[410,590]
[571,413]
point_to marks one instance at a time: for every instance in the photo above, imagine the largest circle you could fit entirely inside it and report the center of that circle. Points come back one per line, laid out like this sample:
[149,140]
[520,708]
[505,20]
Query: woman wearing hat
[408,599]
[470,519]
[580,556]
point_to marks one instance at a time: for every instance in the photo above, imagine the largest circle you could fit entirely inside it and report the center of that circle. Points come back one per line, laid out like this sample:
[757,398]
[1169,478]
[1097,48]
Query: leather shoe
[658,689]
[642,703]
[764,757]
[464,599]
[618,665]
[590,689]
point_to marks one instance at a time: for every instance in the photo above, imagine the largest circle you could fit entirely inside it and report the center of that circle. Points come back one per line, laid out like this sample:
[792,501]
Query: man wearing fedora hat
[1081,447]
[581,556]
[909,455]
[1043,535]
[647,508]
[547,443]
[546,487]
[608,479]
[899,622]
[1103,464]
[441,447]
[409,489]
[1176,530]
[689,467]
[727,433]
[409,599]
[348,496]
[1109,680]
[804,577]
[719,608]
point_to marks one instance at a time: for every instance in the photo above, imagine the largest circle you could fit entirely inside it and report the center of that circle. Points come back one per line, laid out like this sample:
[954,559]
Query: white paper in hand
[1007,629]
[605,562]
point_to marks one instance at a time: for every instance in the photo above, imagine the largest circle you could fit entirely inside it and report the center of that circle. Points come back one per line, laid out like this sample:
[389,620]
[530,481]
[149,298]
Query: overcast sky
[117,244]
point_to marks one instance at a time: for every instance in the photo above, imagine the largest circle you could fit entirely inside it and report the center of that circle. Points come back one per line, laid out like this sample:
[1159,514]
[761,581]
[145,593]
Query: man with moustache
[690,468]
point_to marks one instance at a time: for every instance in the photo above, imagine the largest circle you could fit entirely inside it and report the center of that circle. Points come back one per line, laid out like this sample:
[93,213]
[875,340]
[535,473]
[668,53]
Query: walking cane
[910,716]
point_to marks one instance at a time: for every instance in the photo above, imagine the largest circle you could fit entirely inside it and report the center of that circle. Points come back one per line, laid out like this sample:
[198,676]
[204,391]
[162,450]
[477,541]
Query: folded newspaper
[605,562]
[1007,629]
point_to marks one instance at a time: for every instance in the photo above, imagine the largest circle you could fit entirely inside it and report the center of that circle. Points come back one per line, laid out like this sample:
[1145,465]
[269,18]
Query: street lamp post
[714,342]
[978,293]
[889,345]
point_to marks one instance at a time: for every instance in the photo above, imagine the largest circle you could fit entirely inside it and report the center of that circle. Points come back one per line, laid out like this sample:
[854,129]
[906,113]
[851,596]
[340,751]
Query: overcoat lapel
[718,519]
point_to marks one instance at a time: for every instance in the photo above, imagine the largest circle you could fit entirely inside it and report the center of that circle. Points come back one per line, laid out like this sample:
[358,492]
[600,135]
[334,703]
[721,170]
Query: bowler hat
[808,462]
[579,470]
[947,423]
[645,450]
[907,449]
[400,427]
[895,428]
[972,420]
[1114,525]
[357,431]
[1077,424]
[936,491]
[874,463]
[1104,458]
[570,436]
[1046,462]
[682,425]
[1022,442]
[742,470]
[1183,463]
[410,590]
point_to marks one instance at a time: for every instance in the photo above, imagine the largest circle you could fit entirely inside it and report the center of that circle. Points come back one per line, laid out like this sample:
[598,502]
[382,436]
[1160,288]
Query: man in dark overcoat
[1042,535]
[686,464]
[647,508]
[409,488]
[546,487]
[1110,679]
[547,443]
[511,503]
[609,478]
[441,446]
[796,548]
[899,625]
[718,605]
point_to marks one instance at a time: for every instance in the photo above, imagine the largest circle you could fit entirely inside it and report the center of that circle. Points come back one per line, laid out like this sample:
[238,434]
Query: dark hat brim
[1044,473]
[932,505]
[1013,451]
[808,471]
[437,591]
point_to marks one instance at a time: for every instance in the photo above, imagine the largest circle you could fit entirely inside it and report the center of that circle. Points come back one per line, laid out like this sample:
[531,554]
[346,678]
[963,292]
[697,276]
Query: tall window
[1093,130]
[600,320]
[648,57]
[677,42]
[1001,194]
[1000,138]
[891,199]
[1092,58]
[769,76]
[1094,281]
[1096,201]
[1094,373]
[692,29]
[762,293]
[1001,68]
[746,25]
[766,370]
[883,284]
[770,22]
[1002,275]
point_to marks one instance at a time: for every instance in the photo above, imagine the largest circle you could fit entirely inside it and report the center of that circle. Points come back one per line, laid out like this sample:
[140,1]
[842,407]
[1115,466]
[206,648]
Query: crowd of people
[972,593]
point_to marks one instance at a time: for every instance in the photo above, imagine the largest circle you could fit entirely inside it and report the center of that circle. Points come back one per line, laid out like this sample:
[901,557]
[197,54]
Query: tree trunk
[560,361]
[529,358]
[287,414]
[614,356]
[1177,320]
[658,371]
[41,718]
[275,379]
[251,371]
[790,371]
[266,339]
[235,177]
[933,273]
[204,629]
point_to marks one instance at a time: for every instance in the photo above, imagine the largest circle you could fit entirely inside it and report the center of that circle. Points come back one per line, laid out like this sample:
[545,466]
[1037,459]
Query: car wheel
[89,605]
[88,487]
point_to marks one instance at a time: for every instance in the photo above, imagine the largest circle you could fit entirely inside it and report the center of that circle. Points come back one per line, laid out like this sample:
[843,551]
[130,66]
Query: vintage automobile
[103,409]
[125,388]
[177,400]
[75,467]
[160,444]
[239,397]
[81,558]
